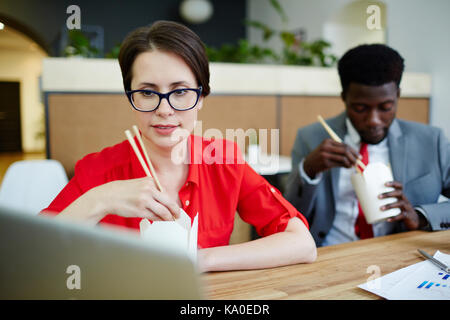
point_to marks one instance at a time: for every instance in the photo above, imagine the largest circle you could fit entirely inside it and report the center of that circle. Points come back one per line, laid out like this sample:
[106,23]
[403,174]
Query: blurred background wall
[48,17]
[36,29]
[32,30]
[417,29]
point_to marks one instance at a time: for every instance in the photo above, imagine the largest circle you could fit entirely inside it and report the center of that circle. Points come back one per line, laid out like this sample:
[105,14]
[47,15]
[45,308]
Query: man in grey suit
[319,185]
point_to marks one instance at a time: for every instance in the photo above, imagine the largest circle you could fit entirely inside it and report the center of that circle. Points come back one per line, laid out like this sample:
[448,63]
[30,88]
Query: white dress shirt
[343,228]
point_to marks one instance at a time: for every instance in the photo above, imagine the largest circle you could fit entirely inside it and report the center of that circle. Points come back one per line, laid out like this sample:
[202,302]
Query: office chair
[31,185]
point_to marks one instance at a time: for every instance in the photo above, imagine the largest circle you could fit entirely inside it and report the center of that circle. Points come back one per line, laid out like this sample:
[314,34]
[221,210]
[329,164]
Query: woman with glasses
[166,78]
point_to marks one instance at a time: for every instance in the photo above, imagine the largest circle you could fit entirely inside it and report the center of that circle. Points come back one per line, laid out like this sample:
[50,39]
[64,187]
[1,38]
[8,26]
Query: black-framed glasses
[179,99]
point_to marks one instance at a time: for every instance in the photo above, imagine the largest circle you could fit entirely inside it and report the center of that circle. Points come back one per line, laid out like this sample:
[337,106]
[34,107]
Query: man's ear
[343,96]
[398,92]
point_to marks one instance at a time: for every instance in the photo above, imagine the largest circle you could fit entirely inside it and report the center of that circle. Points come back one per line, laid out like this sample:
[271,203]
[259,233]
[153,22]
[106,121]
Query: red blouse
[219,183]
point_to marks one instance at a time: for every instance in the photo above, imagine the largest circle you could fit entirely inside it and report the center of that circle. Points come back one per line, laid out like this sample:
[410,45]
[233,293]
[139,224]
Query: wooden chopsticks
[141,160]
[336,138]
[139,156]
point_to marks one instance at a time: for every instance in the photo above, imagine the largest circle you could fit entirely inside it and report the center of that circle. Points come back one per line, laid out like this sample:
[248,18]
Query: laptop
[45,258]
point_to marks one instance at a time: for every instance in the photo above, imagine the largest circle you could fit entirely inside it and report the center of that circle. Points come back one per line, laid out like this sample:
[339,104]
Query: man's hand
[327,155]
[408,214]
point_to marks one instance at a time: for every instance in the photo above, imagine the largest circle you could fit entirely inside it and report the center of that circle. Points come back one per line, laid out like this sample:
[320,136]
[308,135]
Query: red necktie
[362,229]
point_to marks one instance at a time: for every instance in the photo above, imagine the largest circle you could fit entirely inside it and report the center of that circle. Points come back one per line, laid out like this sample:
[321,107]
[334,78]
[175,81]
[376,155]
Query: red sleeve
[263,206]
[89,173]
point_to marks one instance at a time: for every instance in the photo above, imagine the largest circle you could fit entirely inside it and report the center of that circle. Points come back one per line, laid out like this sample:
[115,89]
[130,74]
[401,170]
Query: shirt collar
[354,135]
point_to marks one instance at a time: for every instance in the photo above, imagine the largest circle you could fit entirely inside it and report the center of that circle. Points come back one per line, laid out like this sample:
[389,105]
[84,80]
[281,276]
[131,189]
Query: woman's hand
[140,198]
[127,198]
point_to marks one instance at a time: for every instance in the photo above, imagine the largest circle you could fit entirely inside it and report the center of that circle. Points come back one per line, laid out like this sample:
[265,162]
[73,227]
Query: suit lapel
[397,151]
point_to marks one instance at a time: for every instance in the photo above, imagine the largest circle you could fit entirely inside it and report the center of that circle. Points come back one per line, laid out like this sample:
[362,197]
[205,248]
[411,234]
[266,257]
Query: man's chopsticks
[438,263]
[139,156]
[336,138]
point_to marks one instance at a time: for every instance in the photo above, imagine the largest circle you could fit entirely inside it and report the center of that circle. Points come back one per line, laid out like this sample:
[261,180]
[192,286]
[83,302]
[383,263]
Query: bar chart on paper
[446,275]
[428,284]
[425,283]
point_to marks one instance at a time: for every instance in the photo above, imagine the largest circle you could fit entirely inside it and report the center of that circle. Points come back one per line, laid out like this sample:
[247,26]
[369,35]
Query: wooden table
[337,272]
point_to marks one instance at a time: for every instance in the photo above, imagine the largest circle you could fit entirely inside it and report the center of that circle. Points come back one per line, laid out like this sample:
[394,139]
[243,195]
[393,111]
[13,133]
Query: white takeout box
[179,236]
[368,186]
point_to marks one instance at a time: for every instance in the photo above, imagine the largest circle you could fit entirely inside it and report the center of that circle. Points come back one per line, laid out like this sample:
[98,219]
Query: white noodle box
[368,186]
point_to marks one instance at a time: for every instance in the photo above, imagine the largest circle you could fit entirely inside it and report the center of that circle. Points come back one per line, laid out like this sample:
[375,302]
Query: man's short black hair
[370,64]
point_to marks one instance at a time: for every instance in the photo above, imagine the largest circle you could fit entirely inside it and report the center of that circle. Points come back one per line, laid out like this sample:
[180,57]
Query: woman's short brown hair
[166,36]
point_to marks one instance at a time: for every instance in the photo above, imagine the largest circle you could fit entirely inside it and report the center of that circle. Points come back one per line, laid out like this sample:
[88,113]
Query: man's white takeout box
[179,236]
[368,186]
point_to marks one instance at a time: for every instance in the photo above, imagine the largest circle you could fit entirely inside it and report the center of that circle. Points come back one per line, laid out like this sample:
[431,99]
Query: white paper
[427,282]
[382,285]
[193,238]
[411,283]
[178,236]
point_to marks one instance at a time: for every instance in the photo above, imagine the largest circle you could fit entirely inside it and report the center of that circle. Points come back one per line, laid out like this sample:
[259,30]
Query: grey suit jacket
[420,160]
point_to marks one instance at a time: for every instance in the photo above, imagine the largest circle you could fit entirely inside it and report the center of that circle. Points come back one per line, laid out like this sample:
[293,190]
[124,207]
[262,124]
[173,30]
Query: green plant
[114,53]
[243,52]
[295,50]
[309,53]
[79,45]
